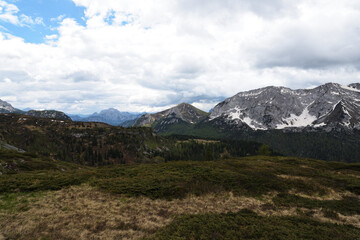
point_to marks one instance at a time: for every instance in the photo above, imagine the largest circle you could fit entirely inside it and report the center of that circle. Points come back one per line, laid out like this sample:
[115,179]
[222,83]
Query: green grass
[247,225]
[251,176]
[18,202]
[42,180]
[346,206]
[13,162]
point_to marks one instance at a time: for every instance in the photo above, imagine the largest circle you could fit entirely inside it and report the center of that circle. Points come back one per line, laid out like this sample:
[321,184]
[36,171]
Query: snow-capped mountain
[110,116]
[182,113]
[266,108]
[7,108]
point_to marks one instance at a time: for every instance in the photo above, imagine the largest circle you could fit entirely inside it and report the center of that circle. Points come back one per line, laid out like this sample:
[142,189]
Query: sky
[82,56]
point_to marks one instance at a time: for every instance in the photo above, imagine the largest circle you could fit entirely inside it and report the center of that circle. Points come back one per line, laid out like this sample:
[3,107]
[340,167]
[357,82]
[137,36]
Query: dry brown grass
[85,213]
[82,212]
[294,177]
[353,220]
[331,194]
[34,128]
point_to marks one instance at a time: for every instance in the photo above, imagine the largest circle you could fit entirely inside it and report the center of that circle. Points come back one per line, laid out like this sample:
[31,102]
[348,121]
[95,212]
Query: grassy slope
[14,162]
[291,192]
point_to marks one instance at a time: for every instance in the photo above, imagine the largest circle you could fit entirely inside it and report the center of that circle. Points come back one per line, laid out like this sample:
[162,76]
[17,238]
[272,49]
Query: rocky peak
[6,107]
[183,112]
[355,86]
[280,107]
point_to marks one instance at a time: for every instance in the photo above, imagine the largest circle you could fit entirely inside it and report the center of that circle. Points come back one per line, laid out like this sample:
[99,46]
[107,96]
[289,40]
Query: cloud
[322,35]
[58,18]
[149,55]
[9,13]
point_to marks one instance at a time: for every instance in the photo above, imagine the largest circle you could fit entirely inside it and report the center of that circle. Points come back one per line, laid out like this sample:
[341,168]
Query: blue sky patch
[50,11]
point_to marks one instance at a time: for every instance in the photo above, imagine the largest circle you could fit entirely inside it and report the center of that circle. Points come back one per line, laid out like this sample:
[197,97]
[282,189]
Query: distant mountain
[77,117]
[48,114]
[327,106]
[181,114]
[110,116]
[7,108]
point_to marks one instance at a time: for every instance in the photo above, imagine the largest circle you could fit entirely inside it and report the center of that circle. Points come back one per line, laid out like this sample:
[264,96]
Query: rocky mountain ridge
[48,114]
[183,113]
[8,108]
[327,106]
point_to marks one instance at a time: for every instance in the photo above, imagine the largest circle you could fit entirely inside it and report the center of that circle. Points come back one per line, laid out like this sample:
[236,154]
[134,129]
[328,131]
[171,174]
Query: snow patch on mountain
[350,88]
[7,108]
[303,120]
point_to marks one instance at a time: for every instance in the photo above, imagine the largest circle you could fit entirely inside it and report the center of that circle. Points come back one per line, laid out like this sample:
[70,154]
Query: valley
[186,174]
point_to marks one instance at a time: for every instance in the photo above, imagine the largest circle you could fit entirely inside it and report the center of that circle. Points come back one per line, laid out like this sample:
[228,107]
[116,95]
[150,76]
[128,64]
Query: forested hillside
[97,144]
[337,145]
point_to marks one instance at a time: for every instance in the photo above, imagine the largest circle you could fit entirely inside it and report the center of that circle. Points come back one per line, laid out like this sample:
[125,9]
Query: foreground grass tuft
[247,225]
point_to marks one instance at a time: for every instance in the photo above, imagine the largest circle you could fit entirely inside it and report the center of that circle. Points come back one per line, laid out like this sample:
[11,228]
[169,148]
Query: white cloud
[51,37]
[58,18]
[147,55]
[9,13]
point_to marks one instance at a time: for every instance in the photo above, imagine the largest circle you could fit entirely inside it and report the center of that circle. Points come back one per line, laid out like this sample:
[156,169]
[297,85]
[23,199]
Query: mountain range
[325,107]
[110,116]
[322,123]
[8,108]
[328,105]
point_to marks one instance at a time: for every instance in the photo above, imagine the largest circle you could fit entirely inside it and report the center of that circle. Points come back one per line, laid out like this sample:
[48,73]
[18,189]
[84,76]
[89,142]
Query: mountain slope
[8,108]
[183,114]
[280,107]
